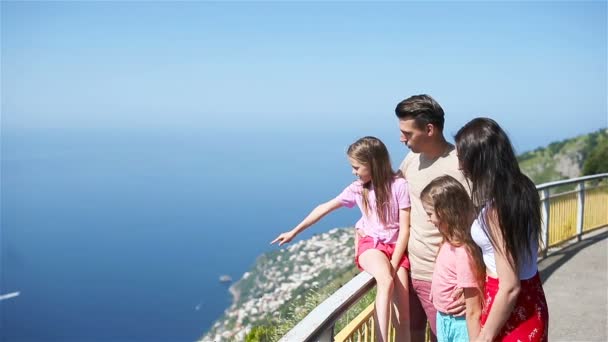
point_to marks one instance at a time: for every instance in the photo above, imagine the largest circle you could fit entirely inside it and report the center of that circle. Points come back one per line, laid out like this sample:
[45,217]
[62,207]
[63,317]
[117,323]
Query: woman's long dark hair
[487,158]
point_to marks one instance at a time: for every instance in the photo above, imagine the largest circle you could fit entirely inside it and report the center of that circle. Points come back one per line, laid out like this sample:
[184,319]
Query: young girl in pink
[459,264]
[382,232]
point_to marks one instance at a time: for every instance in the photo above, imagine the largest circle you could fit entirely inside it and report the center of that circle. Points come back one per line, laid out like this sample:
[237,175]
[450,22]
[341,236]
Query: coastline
[260,296]
[235,292]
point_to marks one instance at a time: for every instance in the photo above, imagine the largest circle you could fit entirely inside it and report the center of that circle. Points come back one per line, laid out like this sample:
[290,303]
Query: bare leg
[401,319]
[377,264]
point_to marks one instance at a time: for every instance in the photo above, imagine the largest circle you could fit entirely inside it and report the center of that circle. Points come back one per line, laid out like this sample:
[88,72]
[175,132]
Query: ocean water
[114,235]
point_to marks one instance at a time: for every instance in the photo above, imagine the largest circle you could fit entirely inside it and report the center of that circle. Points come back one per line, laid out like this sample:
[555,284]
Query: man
[421,121]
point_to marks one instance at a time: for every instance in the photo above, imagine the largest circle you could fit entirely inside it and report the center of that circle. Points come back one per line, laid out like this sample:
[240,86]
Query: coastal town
[278,277]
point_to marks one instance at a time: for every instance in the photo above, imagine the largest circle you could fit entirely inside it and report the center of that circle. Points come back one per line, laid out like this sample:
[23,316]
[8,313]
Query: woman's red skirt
[529,320]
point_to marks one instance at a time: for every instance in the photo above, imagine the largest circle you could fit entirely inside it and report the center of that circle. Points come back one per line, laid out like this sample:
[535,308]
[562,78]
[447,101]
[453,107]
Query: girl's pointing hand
[284,238]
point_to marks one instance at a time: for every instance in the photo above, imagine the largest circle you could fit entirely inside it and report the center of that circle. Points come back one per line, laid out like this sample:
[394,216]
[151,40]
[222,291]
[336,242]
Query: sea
[122,234]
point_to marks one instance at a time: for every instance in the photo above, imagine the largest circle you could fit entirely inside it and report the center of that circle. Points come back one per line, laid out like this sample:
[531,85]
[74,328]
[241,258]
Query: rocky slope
[561,159]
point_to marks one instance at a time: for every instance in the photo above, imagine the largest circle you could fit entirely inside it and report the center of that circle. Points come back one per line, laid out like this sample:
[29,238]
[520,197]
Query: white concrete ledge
[319,322]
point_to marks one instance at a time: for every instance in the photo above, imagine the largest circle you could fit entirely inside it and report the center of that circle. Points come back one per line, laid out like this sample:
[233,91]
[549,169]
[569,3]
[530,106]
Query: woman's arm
[315,215]
[472,298]
[402,238]
[509,284]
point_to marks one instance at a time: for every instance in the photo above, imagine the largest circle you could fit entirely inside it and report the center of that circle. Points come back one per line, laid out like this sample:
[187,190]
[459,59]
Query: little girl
[459,264]
[382,232]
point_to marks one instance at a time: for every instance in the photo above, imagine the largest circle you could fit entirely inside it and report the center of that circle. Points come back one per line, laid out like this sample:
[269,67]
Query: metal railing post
[544,198]
[327,335]
[580,209]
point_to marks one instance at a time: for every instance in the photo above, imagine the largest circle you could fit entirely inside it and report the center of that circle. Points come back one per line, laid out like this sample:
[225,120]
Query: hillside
[281,277]
[562,159]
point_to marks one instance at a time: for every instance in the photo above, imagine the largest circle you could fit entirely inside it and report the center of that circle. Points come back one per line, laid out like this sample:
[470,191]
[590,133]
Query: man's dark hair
[423,109]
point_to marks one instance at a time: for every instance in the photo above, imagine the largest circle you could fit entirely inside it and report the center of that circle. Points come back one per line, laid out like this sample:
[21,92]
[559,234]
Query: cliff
[562,159]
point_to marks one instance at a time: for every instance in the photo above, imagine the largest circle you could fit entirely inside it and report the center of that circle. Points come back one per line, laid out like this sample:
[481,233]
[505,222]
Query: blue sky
[142,126]
[539,68]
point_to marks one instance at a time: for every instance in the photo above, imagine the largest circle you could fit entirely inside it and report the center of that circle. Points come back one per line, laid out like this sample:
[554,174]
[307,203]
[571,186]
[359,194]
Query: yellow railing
[562,220]
[566,214]
[596,208]
[360,329]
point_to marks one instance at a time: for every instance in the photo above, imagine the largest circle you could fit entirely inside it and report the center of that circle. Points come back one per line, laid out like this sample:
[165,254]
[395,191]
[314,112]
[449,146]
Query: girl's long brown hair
[372,153]
[453,206]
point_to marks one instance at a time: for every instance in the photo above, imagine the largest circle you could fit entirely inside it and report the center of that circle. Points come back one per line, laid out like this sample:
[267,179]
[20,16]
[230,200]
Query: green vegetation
[261,334]
[292,312]
[565,159]
[597,162]
[304,304]
[356,309]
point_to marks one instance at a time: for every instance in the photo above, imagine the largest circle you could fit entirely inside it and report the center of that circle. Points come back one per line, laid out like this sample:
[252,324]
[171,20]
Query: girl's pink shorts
[367,242]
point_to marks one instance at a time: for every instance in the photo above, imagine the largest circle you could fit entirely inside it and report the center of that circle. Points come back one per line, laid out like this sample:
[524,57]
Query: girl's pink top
[369,223]
[452,270]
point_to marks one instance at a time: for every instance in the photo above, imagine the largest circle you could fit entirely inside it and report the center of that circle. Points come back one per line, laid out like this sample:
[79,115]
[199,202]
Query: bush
[597,162]
[260,334]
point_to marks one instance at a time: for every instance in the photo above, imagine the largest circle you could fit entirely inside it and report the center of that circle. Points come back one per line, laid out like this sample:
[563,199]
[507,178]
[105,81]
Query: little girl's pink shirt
[452,270]
[369,223]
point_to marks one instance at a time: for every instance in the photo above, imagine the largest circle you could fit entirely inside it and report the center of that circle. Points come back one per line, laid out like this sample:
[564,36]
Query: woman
[508,230]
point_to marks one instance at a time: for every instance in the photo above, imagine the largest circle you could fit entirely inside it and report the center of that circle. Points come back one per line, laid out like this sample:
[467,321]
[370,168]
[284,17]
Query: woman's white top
[479,232]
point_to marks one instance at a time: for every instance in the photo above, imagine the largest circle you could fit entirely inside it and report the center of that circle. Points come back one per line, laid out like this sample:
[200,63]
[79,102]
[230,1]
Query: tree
[597,162]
